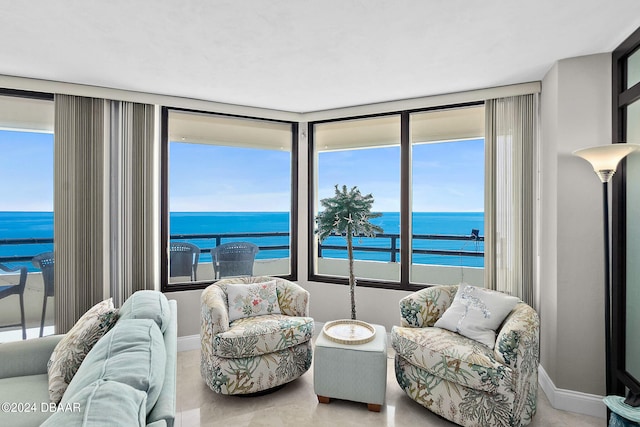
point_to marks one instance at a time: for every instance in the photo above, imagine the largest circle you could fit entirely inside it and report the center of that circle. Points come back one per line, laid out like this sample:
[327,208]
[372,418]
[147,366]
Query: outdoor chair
[183,259]
[18,289]
[233,259]
[45,262]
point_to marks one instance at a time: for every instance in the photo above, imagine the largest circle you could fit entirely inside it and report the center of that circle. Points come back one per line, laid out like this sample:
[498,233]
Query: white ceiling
[304,55]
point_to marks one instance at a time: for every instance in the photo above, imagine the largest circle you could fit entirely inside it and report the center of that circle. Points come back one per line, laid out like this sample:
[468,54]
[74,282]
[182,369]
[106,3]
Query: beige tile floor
[296,405]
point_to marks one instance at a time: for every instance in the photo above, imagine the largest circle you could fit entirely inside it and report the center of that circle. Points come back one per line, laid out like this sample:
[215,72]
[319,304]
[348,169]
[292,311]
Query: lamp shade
[605,158]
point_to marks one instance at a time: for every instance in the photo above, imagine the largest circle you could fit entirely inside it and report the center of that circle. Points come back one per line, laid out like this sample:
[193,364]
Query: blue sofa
[128,378]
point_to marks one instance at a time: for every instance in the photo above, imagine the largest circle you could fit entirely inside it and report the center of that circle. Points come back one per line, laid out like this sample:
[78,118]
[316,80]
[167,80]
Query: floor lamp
[605,159]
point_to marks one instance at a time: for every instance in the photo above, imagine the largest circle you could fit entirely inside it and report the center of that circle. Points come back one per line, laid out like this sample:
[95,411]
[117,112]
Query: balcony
[273,259]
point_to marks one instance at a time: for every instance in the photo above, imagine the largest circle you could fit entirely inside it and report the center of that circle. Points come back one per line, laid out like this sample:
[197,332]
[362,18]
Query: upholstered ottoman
[352,372]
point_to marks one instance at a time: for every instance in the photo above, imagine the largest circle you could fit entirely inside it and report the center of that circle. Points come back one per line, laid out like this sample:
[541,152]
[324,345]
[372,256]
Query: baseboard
[572,401]
[189,342]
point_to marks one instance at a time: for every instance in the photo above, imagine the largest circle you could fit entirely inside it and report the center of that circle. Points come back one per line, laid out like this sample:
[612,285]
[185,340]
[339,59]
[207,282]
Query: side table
[622,415]
[356,372]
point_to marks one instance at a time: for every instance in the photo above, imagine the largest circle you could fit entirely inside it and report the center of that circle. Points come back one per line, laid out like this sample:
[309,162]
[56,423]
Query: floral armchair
[258,352]
[461,379]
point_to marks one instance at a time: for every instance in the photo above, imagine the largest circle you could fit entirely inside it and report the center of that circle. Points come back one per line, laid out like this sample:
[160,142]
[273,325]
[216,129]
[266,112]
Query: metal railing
[393,248]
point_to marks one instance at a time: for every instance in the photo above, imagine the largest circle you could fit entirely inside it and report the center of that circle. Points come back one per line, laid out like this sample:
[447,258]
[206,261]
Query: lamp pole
[607,289]
[605,159]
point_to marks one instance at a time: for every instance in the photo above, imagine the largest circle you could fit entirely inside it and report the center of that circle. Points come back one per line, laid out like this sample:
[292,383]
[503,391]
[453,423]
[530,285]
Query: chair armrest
[422,308]
[28,357]
[518,340]
[215,314]
[293,299]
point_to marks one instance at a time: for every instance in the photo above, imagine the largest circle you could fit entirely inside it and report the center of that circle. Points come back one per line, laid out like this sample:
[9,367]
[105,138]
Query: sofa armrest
[28,357]
[518,340]
[422,308]
[164,411]
[293,299]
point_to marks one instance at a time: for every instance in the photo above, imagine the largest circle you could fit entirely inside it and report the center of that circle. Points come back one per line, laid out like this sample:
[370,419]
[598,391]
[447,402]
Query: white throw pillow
[476,313]
[72,349]
[254,299]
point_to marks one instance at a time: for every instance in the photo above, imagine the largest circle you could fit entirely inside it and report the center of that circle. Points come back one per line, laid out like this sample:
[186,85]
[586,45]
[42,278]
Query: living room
[575,105]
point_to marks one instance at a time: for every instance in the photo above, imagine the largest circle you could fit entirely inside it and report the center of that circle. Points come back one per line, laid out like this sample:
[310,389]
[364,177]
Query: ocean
[20,225]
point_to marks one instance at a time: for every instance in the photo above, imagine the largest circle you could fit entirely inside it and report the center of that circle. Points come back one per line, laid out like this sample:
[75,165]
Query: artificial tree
[348,214]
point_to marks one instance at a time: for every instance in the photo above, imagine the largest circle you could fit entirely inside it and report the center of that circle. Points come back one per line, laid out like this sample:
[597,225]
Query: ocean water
[18,225]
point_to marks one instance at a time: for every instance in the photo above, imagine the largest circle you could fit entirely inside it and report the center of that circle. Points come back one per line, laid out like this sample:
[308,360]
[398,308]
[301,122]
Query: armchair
[255,353]
[461,379]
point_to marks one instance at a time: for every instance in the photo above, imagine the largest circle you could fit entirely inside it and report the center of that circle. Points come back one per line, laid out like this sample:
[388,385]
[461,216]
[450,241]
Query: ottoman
[351,372]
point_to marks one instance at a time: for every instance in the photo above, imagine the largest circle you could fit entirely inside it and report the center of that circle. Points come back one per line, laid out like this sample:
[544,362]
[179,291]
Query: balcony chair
[255,334]
[18,289]
[45,262]
[183,259]
[233,259]
[461,379]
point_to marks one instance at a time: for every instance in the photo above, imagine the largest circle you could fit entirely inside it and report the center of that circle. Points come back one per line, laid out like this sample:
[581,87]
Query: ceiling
[304,55]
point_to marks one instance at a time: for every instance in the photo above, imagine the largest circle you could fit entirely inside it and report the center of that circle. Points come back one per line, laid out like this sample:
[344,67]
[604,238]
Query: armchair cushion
[255,336]
[453,357]
[255,299]
[477,313]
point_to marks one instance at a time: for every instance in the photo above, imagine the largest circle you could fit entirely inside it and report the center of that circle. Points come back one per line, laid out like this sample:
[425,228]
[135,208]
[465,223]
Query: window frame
[168,286]
[404,284]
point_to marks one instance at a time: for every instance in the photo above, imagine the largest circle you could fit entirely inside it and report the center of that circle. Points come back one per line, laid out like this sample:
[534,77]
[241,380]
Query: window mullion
[405,200]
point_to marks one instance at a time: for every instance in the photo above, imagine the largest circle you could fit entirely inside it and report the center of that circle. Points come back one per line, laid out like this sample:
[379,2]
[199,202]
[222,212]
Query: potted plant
[348,214]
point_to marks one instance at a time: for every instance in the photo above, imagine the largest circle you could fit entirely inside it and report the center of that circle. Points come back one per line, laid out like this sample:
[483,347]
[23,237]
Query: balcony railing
[215,239]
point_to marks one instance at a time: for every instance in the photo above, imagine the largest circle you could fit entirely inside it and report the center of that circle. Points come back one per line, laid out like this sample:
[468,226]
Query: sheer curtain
[105,203]
[133,207]
[510,195]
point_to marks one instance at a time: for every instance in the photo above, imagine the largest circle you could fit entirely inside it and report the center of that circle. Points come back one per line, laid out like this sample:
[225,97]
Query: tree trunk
[352,277]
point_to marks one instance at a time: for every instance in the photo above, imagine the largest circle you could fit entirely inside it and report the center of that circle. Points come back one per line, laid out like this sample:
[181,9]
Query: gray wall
[576,113]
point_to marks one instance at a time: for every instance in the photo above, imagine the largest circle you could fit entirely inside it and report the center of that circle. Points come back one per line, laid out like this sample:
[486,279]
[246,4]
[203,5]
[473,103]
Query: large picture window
[26,216]
[229,197]
[364,153]
[447,215]
[425,170]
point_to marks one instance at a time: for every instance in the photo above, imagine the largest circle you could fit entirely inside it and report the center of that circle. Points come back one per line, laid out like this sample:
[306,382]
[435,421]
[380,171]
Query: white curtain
[510,201]
[105,200]
[133,206]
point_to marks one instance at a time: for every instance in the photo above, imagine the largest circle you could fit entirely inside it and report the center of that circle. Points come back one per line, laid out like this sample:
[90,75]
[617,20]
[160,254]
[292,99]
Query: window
[26,216]
[363,153]
[447,175]
[425,170]
[230,180]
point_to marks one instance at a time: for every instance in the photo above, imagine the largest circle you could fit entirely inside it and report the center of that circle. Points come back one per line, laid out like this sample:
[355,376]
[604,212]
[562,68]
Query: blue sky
[447,177]
[26,171]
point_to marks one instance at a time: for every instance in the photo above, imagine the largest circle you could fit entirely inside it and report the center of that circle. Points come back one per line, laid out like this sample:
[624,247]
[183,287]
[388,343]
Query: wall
[576,113]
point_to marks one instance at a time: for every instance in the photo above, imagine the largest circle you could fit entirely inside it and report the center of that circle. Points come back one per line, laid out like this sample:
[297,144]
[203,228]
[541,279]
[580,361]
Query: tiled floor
[296,405]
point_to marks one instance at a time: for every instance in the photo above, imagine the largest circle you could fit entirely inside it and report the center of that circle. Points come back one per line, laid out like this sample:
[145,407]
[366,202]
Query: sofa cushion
[255,299]
[477,313]
[452,357]
[147,304]
[74,346]
[254,336]
[133,352]
[102,403]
